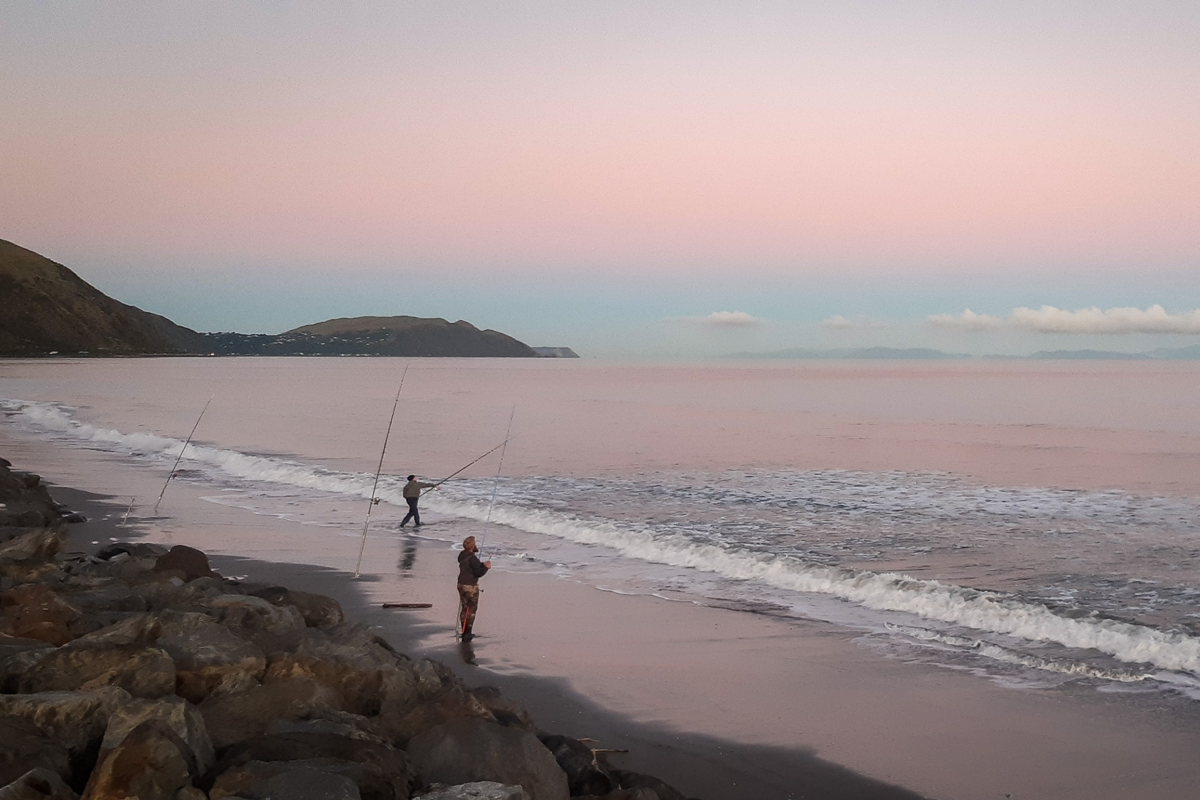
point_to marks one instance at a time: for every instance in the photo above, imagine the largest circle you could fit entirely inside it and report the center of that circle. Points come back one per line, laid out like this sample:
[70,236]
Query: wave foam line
[930,599]
[998,653]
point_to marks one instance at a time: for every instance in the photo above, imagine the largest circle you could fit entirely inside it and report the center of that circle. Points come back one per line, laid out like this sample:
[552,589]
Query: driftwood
[408,605]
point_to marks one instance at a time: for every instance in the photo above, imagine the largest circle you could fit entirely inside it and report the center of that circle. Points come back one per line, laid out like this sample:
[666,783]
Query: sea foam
[882,591]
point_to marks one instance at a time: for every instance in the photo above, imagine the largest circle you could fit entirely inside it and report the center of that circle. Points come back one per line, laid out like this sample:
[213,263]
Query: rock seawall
[138,672]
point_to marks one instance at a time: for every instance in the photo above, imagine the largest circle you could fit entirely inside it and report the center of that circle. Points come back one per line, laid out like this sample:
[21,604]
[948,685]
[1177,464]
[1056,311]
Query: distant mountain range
[46,308]
[1162,353]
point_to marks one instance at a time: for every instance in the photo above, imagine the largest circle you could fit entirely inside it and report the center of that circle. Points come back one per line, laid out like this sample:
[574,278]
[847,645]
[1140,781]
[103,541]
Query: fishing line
[378,471]
[180,457]
[499,467]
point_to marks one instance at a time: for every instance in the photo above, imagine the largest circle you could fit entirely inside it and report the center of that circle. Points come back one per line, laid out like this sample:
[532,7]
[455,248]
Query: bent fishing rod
[378,471]
[182,450]
[468,466]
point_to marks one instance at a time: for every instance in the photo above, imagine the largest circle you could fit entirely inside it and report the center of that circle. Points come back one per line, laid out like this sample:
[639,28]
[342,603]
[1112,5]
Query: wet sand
[724,704]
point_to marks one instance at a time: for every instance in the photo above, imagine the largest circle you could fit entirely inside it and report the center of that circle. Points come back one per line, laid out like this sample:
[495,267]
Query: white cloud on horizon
[1048,319]
[726,319]
[838,322]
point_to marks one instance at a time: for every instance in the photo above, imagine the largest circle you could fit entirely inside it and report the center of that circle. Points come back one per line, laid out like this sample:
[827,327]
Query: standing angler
[412,493]
[470,570]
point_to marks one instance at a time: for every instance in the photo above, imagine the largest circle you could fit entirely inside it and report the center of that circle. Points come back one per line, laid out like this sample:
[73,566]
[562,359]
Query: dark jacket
[470,569]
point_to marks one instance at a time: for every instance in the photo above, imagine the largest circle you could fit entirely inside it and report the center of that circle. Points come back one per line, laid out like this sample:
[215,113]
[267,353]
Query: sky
[631,179]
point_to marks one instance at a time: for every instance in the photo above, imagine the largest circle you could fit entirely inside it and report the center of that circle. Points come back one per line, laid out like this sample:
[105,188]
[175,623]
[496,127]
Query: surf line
[372,500]
[179,458]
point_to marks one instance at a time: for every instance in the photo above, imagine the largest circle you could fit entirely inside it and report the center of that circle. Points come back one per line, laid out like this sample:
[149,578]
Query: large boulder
[454,703]
[38,784]
[636,781]
[274,629]
[585,774]
[150,763]
[317,610]
[41,544]
[209,658]
[38,612]
[388,766]
[314,779]
[367,672]
[141,670]
[467,750]
[237,716]
[24,747]
[77,720]
[177,715]
[186,562]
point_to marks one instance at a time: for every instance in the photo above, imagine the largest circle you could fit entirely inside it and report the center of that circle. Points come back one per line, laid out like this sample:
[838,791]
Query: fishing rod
[468,466]
[372,500]
[180,457]
[499,467]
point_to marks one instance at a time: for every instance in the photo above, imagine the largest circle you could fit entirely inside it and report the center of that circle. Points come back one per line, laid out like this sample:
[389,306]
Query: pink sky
[778,139]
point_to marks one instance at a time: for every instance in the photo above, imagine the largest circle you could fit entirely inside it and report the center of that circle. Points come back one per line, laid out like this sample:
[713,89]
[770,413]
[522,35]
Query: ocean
[1034,523]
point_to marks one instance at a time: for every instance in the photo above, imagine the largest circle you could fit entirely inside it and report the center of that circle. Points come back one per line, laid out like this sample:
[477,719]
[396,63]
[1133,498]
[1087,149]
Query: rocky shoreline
[137,671]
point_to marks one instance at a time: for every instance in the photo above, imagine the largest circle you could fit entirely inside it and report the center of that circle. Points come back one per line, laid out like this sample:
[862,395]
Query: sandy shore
[724,704]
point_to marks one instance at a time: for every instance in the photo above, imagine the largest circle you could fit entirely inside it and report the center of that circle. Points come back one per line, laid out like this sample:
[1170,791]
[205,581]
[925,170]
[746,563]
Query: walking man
[470,570]
[412,493]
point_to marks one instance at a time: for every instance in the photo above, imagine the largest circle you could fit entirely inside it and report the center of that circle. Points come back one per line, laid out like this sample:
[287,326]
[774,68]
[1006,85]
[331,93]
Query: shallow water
[1035,522]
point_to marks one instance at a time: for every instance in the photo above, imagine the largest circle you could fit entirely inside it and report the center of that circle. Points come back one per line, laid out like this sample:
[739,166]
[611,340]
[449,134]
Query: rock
[389,767]
[141,670]
[506,712]
[188,562]
[636,781]
[317,610]
[131,549]
[356,663]
[455,703]
[176,714]
[75,719]
[149,764]
[235,717]
[350,726]
[23,747]
[288,780]
[73,517]
[208,656]
[190,793]
[38,784]
[42,544]
[479,790]
[274,629]
[111,596]
[467,750]
[37,612]
[585,775]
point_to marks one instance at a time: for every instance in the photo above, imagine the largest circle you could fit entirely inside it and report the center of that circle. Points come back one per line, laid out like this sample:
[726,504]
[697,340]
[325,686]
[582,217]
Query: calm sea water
[1036,522]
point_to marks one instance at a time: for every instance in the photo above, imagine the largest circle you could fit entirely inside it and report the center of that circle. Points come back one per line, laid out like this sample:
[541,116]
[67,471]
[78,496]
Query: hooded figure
[470,570]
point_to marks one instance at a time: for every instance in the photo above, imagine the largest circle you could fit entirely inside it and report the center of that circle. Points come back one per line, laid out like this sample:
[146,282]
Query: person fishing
[470,570]
[412,493]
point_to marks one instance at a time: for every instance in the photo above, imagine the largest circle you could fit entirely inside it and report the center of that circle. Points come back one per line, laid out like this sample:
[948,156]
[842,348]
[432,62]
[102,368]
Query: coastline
[698,765]
[778,688]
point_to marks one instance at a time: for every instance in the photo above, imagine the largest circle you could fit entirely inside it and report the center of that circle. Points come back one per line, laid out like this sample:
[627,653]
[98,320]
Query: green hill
[45,307]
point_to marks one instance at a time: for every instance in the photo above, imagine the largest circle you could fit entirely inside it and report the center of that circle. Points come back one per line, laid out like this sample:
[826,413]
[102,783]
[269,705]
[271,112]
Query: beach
[717,694]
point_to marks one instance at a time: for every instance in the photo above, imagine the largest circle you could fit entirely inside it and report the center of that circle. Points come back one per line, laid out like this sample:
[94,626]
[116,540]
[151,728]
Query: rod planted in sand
[179,458]
[125,519]
[379,470]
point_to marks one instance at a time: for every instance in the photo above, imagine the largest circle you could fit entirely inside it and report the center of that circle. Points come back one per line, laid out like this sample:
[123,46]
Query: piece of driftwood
[408,605]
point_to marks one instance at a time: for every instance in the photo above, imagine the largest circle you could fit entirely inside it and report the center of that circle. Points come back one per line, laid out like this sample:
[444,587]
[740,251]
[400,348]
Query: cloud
[968,320]
[1049,319]
[838,322]
[726,319]
[1154,319]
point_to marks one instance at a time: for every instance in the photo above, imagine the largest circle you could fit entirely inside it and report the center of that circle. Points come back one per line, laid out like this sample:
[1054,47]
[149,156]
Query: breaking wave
[882,591]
